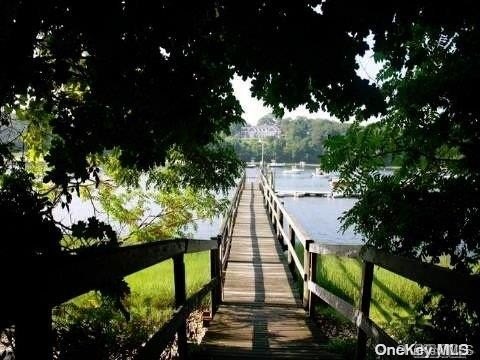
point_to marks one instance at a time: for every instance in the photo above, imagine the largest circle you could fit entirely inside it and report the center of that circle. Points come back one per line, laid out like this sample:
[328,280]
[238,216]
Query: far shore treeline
[301,139]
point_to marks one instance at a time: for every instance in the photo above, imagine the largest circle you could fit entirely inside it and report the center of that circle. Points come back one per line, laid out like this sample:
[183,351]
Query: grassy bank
[394,298]
[153,288]
[393,305]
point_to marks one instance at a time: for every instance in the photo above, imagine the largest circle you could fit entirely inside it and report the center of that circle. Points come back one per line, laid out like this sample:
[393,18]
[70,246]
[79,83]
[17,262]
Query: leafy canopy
[146,77]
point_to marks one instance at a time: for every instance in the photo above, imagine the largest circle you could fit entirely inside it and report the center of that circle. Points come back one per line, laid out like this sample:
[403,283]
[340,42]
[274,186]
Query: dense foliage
[432,125]
[430,206]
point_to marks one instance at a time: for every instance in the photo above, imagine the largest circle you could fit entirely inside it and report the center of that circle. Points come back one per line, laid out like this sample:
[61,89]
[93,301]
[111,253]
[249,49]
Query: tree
[268,119]
[430,206]
[302,139]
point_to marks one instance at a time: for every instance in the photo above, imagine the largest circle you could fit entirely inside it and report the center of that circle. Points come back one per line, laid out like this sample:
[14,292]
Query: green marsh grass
[394,298]
[87,327]
[152,289]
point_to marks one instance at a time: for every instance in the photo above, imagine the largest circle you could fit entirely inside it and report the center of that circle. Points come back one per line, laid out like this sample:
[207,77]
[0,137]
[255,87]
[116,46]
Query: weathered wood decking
[261,315]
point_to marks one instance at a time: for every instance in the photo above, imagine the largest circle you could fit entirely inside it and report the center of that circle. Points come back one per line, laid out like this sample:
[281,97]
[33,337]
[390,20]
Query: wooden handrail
[70,276]
[233,206]
[436,277]
[271,198]
[352,251]
[226,228]
[280,217]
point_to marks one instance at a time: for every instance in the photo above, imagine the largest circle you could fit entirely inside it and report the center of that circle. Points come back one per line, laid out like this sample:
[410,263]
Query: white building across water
[260,132]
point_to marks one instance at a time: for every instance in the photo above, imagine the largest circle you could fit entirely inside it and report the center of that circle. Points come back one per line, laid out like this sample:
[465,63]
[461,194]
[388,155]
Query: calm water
[318,216]
[80,210]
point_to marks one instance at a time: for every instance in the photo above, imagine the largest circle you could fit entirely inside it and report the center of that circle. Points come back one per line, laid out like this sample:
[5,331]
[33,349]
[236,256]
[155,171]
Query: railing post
[222,241]
[33,332]
[306,271]
[265,194]
[269,204]
[291,239]
[364,306]
[218,259]
[274,212]
[180,298]
[280,226]
[312,298]
[215,272]
[224,245]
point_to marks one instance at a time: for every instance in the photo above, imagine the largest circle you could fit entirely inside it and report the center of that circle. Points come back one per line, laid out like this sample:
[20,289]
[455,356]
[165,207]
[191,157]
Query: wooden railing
[226,229]
[435,277]
[58,279]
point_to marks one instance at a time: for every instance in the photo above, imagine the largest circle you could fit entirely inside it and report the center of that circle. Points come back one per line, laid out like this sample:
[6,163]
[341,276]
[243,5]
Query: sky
[254,108]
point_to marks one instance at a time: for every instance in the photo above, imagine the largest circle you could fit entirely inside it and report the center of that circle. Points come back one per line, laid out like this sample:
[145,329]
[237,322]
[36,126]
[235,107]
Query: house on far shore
[260,132]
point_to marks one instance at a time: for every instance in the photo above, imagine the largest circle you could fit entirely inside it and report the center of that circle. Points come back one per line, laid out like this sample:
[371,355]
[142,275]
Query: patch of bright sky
[254,109]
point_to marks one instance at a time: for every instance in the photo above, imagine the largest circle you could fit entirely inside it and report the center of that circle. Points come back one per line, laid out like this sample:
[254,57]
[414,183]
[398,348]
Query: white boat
[251,164]
[294,170]
[302,164]
[274,163]
[319,173]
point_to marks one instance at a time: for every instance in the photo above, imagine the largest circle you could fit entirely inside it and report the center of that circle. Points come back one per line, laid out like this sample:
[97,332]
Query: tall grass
[152,289]
[90,327]
[394,298]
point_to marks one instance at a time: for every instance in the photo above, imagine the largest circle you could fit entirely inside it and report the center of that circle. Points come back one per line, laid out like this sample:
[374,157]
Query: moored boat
[274,163]
[319,173]
[293,170]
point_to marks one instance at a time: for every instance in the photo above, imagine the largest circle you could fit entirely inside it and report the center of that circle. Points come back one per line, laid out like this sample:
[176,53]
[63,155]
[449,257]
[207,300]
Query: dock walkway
[261,315]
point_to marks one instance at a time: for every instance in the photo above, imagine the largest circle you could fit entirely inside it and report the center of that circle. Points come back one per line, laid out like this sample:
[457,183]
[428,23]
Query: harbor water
[319,216]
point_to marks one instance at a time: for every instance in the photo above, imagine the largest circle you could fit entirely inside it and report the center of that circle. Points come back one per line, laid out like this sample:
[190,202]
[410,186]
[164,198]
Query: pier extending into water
[256,311]
[261,315]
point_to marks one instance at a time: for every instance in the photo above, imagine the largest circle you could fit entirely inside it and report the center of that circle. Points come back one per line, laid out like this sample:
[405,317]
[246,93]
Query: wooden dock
[261,315]
[306,193]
